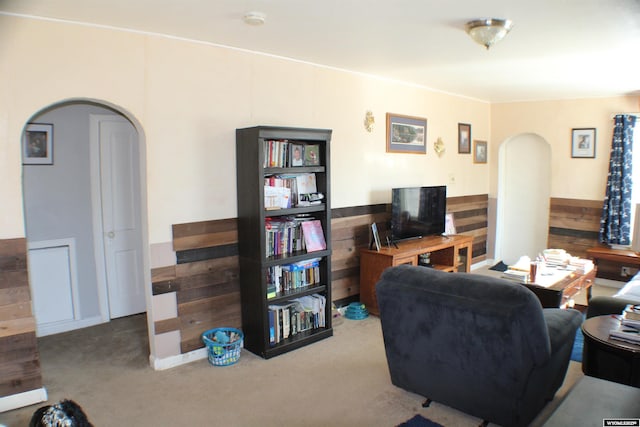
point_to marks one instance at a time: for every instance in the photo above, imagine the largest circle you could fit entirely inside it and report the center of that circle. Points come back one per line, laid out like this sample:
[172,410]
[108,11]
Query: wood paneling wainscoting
[351,231]
[574,225]
[205,277]
[471,219]
[19,357]
[205,280]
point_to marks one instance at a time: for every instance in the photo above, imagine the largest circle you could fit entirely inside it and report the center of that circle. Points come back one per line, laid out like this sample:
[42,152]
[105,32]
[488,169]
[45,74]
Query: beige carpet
[340,381]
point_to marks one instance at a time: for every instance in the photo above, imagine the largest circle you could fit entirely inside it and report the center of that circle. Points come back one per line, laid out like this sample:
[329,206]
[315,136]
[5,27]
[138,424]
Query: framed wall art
[406,134]
[583,143]
[37,144]
[464,138]
[479,151]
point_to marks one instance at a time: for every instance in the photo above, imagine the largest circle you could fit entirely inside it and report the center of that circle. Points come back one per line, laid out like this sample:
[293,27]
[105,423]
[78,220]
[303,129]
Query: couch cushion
[631,290]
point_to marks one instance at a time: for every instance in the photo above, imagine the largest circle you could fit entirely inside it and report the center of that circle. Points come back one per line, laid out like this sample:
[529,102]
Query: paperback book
[625,333]
[313,236]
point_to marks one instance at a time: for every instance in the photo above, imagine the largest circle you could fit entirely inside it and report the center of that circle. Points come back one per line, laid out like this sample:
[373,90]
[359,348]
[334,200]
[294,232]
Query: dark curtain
[615,224]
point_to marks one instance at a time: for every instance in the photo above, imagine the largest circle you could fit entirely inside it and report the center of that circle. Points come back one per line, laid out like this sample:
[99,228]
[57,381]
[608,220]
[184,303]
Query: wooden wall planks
[574,224]
[470,216]
[205,278]
[19,357]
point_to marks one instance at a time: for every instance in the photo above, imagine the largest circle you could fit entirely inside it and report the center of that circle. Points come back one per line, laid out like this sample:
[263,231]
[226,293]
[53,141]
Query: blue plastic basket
[223,353]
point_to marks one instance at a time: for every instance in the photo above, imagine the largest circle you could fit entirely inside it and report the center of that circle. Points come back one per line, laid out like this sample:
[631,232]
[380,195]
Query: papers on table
[545,276]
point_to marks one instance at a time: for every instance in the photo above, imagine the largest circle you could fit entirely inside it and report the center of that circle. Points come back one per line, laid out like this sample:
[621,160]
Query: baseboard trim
[65,326]
[480,264]
[171,362]
[19,400]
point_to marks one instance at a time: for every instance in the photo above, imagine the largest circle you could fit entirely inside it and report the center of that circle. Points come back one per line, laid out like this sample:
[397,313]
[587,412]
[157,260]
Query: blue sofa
[629,294]
[480,344]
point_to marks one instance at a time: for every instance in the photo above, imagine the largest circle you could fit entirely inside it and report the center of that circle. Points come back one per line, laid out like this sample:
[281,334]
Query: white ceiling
[557,49]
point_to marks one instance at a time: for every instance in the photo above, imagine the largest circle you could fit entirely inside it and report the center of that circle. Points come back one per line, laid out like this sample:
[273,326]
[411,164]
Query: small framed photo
[297,155]
[406,134]
[464,138]
[312,155]
[479,151]
[37,144]
[583,143]
[375,241]
[449,225]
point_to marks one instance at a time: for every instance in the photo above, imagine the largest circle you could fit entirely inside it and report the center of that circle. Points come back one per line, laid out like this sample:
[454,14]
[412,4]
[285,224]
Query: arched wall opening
[64,214]
[524,190]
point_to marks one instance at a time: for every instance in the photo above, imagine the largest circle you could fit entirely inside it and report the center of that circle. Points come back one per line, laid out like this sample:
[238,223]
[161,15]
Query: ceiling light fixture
[254,18]
[489,31]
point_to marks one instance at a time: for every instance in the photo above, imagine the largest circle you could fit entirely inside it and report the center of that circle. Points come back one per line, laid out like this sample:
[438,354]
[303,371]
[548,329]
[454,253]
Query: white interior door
[120,196]
[523,202]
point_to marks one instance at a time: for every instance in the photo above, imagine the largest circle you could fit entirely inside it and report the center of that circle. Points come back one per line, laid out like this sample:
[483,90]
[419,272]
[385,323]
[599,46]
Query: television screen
[418,211]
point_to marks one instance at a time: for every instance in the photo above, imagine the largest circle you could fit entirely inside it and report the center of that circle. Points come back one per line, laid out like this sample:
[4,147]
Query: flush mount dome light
[254,18]
[489,31]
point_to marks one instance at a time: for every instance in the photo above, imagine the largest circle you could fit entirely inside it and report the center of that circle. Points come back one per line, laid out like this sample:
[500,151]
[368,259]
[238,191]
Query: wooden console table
[610,262]
[447,253]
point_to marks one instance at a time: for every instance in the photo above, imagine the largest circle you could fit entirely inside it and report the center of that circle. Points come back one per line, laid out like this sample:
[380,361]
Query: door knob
[111,234]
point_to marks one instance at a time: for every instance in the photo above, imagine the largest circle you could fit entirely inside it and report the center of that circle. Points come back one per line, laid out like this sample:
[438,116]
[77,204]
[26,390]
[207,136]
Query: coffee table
[559,293]
[609,359]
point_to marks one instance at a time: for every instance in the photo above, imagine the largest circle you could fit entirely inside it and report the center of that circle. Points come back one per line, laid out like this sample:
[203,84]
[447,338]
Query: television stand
[448,253]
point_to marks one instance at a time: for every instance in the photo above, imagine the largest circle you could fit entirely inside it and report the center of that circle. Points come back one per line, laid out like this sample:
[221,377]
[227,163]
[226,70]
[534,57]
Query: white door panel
[120,191]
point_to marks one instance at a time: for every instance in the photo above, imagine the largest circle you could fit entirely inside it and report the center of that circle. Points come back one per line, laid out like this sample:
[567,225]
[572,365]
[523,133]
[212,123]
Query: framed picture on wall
[464,138]
[406,134]
[583,143]
[479,151]
[37,144]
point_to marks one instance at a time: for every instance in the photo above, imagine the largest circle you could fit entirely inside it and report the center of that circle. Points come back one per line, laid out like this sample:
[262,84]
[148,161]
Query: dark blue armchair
[480,344]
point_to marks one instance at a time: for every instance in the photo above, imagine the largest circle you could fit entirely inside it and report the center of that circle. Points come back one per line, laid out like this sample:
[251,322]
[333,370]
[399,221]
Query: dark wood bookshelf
[252,241]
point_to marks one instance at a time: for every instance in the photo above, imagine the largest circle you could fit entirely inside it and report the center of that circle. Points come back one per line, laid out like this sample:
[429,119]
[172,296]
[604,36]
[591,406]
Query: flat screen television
[418,212]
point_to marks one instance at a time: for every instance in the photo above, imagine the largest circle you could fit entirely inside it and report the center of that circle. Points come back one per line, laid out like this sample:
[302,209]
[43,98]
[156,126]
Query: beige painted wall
[574,178]
[189,98]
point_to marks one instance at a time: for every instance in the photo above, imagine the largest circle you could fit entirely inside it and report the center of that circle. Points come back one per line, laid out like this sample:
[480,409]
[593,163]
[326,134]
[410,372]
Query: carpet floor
[340,381]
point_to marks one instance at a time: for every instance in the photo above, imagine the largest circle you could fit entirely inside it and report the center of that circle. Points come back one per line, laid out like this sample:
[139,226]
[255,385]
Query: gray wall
[58,197]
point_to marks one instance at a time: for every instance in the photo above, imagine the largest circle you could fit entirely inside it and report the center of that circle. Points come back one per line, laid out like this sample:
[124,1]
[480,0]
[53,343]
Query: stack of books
[581,265]
[629,328]
[556,257]
[517,275]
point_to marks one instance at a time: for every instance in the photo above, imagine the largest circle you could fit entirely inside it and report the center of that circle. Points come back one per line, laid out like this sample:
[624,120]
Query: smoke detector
[254,18]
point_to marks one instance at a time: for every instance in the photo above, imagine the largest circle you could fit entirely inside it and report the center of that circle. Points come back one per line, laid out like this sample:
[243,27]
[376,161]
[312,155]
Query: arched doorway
[524,187]
[75,212]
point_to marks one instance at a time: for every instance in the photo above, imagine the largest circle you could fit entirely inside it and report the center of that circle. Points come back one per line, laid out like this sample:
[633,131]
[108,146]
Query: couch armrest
[602,305]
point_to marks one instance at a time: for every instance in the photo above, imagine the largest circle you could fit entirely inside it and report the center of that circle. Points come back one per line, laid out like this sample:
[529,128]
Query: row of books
[285,235]
[629,328]
[289,277]
[285,191]
[298,315]
[283,154]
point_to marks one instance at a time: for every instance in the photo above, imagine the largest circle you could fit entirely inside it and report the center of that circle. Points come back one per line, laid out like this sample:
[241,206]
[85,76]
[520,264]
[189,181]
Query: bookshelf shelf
[297,169]
[294,257]
[286,297]
[295,211]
